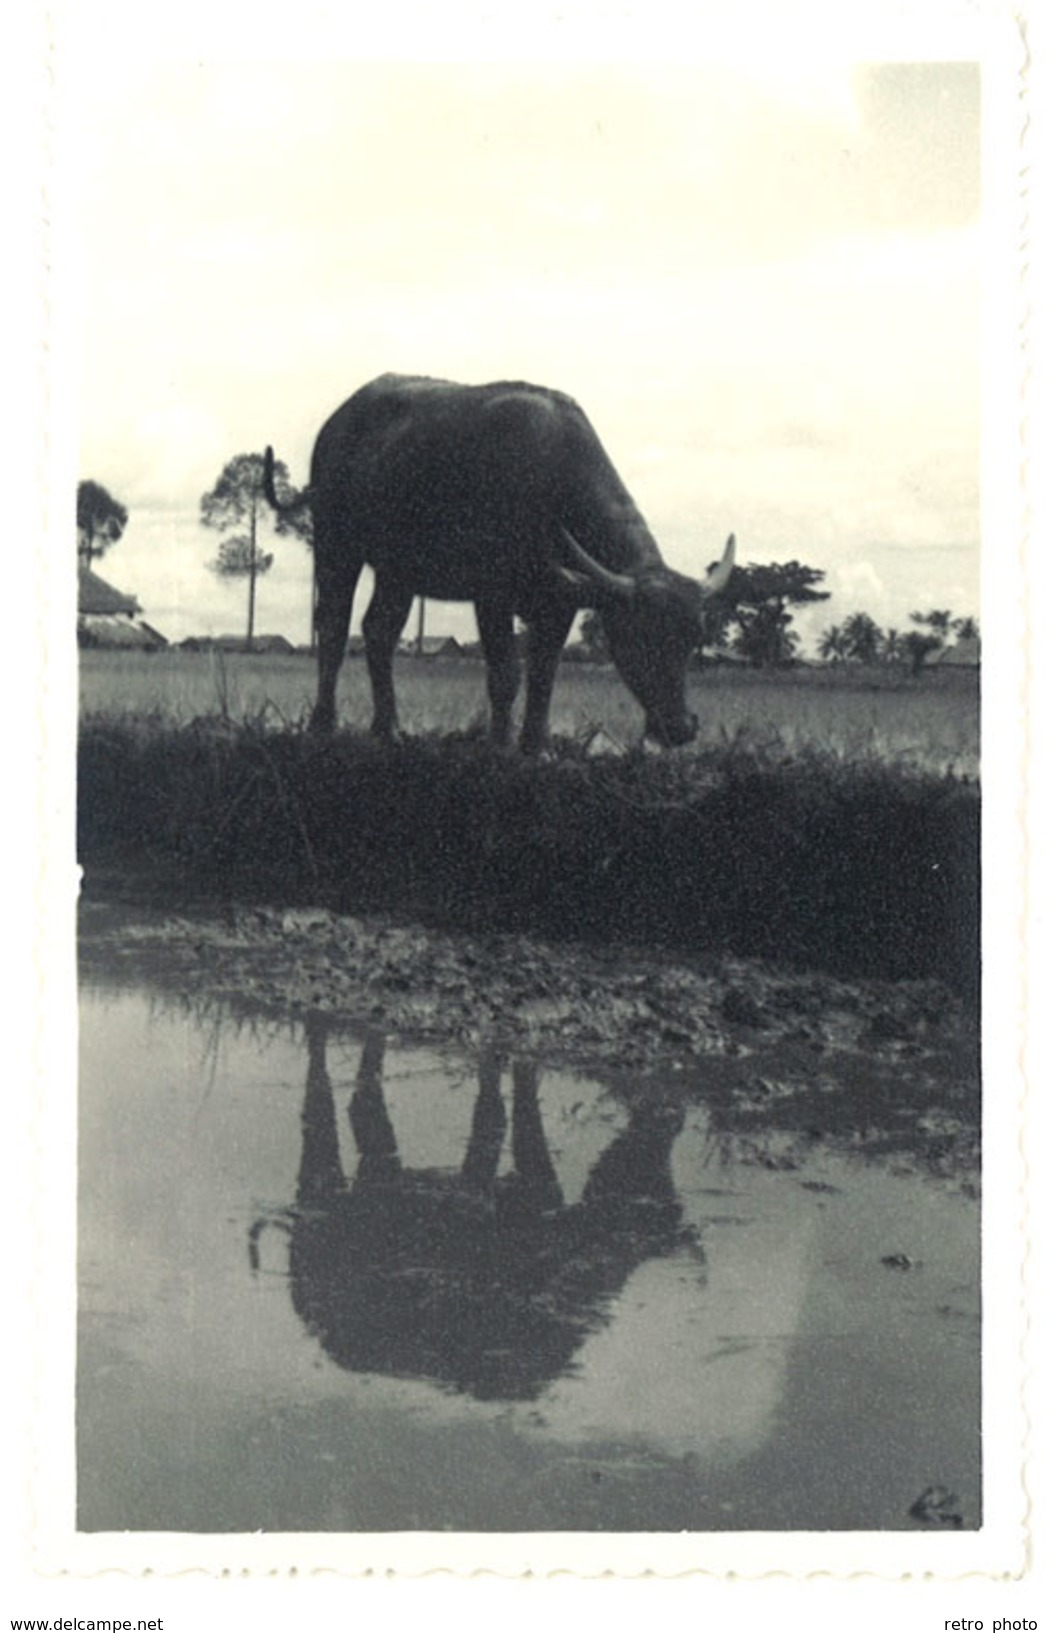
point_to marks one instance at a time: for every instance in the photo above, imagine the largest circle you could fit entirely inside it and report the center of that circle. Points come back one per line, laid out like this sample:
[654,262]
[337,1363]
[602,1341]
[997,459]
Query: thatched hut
[107,618]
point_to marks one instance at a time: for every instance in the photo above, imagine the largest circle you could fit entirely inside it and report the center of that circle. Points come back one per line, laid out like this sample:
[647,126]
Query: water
[327,1284]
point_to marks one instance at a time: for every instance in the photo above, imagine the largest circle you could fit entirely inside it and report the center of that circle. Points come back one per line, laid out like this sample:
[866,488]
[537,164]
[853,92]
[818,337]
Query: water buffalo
[501,495]
[482,1281]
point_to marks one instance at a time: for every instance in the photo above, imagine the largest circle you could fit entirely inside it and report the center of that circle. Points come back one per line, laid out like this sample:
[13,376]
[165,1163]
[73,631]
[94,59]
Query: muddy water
[328,1283]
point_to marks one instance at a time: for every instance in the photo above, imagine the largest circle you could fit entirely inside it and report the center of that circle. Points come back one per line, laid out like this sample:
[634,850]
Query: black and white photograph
[534,661]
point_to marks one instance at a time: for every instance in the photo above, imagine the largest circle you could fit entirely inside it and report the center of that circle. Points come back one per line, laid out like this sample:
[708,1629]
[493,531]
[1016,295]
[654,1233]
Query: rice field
[929,724]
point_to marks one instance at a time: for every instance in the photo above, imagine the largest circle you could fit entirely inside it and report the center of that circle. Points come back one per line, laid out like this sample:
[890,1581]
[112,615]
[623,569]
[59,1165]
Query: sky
[762,284]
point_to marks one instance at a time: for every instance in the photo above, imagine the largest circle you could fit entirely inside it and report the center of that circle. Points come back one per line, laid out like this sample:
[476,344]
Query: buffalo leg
[495,625]
[369,1119]
[489,1127]
[546,637]
[320,1175]
[334,606]
[531,1158]
[383,624]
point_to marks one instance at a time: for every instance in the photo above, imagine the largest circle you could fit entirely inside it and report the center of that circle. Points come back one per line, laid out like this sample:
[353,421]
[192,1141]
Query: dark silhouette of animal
[501,495]
[486,1284]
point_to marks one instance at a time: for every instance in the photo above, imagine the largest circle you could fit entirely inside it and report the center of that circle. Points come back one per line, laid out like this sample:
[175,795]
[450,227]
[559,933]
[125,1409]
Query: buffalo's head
[653,619]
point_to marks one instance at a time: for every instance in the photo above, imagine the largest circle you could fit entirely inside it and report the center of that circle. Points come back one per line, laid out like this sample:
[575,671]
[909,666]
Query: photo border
[1001,1549]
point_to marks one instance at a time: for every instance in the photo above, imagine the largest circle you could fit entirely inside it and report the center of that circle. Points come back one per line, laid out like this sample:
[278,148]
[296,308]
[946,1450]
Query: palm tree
[939,623]
[891,646]
[832,644]
[862,637]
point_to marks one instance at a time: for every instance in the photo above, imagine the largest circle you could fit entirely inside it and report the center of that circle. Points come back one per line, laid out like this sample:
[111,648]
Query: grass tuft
[755,845]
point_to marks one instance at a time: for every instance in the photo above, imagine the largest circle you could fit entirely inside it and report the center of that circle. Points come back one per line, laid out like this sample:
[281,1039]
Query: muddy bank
[858,1061]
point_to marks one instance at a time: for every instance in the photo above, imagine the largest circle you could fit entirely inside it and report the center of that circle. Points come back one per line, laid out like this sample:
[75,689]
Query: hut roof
[97,598]
[109,630]
[963,654]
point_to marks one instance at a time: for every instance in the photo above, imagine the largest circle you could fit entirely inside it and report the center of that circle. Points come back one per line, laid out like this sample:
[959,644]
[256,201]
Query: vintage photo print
[545,1091]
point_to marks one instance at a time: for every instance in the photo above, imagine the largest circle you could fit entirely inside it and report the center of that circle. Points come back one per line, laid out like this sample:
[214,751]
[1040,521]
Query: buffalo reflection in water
[484,1283]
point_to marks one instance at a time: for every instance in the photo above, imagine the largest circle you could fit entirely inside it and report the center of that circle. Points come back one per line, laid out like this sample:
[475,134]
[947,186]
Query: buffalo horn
[718,576]
[617,584]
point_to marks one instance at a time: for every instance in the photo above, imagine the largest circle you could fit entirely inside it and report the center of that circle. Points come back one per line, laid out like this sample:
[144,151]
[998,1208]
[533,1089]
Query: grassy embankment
[833,826]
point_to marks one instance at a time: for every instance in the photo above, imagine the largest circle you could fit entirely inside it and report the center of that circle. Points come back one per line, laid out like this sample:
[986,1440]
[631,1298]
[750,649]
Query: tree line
[754,621]
[753,618]
[860,640]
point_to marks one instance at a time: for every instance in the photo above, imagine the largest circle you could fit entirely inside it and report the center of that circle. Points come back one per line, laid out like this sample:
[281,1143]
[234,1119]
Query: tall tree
[761,599]
[235,507]
[966,629]
[100,521]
